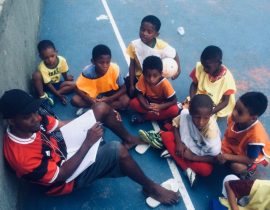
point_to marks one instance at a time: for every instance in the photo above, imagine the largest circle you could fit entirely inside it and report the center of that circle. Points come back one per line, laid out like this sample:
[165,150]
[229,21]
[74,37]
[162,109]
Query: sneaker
[49,99]
[191,176]
[152,138]
[80,111]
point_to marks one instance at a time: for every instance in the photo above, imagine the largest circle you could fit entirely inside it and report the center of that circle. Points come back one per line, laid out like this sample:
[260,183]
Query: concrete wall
[19,21]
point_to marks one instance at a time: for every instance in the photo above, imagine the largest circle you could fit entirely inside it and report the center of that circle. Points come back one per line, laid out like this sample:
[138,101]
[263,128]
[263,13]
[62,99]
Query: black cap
[17,101]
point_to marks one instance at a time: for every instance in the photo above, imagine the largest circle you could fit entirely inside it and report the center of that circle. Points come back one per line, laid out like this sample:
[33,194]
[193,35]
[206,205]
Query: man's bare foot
[132,141]
[162,195]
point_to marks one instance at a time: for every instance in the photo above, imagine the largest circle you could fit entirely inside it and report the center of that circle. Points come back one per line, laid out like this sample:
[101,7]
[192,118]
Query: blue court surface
[239,28]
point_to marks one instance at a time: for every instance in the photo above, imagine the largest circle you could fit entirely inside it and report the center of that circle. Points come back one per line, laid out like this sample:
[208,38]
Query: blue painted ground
[238,27]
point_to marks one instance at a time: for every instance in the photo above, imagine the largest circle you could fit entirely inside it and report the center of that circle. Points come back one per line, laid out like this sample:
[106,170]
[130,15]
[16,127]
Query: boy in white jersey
[148,44]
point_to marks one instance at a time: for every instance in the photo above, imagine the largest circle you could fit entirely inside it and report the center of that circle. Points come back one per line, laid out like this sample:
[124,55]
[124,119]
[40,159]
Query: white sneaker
[80,111]
[191,176]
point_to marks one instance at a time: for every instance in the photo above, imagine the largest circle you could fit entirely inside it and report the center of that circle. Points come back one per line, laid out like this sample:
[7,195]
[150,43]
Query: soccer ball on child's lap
[169,67]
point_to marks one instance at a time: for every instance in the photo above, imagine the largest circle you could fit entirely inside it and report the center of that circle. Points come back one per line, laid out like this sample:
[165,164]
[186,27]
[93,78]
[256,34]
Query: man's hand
[94,133]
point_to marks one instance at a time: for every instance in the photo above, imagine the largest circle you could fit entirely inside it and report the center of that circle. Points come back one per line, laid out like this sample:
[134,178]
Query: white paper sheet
[74,134]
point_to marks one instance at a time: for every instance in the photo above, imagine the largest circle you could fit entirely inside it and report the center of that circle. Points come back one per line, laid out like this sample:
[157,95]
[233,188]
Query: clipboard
[74,134]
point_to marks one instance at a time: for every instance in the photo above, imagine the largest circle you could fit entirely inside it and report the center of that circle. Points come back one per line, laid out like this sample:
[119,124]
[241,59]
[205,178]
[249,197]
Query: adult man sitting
[35,155]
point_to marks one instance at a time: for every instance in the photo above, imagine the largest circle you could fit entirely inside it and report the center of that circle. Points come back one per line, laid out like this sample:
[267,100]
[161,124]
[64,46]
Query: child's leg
[168,140]
[239,168]
[121,103]
[38,83]
[226,179]
[136,105]
[164,114]
[67,87]
[201,168]
[78,101]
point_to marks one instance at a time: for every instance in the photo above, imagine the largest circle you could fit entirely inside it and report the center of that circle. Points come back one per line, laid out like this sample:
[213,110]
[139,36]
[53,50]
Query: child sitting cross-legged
[100,82]
[246,142]
[148,44]
[194,141]
[156,99]
[48,75]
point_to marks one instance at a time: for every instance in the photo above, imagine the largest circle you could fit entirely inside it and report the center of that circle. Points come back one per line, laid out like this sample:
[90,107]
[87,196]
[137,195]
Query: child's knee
[167,136]
[76,101]
[134,103]
[36,76]
[238,168]
[124,101]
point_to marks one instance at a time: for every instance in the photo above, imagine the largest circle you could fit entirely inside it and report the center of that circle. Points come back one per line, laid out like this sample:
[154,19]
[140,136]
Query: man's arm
[69,166]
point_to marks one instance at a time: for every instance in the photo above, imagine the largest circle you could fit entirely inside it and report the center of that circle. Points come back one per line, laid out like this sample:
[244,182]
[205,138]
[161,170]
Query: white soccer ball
[169,67]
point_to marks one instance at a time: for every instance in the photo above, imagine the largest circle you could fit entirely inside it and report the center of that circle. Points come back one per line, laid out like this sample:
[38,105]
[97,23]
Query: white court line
[116,31]
[173,167]
[182,189]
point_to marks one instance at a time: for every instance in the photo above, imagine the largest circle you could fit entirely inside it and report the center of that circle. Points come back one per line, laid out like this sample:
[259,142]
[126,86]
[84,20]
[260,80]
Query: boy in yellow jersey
[148,44]
[48,75]
[244,194]
[100,82]
[214,79]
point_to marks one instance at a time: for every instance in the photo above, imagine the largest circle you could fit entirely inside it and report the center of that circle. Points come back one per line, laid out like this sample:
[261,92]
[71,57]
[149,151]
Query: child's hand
[63,99]
[188,155]
[221,158]
[180,149]
[154,107]
[70,78]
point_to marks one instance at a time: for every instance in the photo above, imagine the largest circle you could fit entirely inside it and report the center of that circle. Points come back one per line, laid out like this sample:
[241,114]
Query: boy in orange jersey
[100,82]
[156,98]
[246,142]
